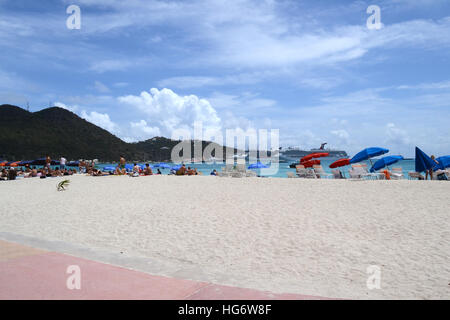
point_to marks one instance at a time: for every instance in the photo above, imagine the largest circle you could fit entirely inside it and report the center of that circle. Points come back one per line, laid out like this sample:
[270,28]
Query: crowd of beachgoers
[48,170]
[308,167]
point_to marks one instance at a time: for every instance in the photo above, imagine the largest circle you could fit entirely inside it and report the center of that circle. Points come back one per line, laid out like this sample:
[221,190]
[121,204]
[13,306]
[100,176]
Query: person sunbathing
[4,175]
[190,172]
[148,171]
[136,168]
[181,171]
[118,171]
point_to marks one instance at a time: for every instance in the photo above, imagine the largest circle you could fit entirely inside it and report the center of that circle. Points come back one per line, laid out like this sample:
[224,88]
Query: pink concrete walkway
[29,273]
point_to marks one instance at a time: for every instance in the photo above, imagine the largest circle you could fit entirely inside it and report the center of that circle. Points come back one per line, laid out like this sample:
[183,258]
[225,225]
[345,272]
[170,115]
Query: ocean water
[406,165]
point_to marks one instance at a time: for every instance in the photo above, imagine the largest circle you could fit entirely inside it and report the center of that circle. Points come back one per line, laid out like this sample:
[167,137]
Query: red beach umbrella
[314,155]
[340,163]
[14,164]
[310,163]
[2,164]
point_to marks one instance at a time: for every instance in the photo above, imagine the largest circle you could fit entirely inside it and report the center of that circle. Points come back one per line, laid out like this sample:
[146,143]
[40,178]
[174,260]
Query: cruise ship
[294,154]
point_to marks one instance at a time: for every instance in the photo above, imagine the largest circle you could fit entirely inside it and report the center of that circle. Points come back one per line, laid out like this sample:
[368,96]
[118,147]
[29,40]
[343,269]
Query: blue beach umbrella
[257,165]
[384,162]
[73,164]
[423,161]
[109,168]
[129,166]
[368,153]
[444,162]
[162,165]
[176,168]
[24,163]
[41,162]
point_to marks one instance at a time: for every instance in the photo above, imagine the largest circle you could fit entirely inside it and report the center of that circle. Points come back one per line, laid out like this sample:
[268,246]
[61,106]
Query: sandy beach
[313,237]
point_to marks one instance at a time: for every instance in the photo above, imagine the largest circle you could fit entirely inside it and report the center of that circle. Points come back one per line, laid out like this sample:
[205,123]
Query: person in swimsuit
[430,172]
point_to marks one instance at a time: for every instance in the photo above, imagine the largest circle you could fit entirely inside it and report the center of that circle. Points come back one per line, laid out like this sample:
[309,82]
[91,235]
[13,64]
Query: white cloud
[427,86]
[396,136]
[100,87]
[168,111]
[100,119]
[110,65]
[73,108]
[140,131]
[342,135]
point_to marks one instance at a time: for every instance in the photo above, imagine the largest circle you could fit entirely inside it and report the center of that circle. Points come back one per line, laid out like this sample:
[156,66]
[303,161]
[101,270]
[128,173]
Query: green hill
[58,132]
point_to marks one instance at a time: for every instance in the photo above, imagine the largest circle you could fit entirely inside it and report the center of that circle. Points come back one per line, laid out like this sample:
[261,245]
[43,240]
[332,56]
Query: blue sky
[311,69]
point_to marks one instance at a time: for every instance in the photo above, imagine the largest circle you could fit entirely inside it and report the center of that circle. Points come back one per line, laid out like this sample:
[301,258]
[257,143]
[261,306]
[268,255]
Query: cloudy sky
[310,68]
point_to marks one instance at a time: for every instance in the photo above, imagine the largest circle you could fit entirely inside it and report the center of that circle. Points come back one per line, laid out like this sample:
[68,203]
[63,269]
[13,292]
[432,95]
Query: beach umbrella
[310,163]
[314,155]
[24,163]
[340,163]
[108,168]
[162,165]
[368,153]
[423,161]
[444,162]
[385,162]
[12,164]
[73,164]
[176,168]
[129,166]
[41,162]
[257,165]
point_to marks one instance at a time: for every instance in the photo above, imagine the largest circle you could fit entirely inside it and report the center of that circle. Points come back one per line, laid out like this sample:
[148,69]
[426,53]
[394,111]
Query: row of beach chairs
[236,171]
[357,172]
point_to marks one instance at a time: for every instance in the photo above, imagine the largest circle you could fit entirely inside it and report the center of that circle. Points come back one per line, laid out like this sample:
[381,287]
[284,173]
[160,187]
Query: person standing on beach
[430,171]
[62,163]
[48,161]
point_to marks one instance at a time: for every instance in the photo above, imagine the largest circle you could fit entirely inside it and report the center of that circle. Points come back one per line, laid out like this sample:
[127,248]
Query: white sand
[312,237]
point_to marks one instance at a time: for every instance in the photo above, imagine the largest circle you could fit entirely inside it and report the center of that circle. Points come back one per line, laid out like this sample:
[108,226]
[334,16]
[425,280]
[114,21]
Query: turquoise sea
[406,165]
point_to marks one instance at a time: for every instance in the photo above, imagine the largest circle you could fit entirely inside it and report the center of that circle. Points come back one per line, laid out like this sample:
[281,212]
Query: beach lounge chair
[240,167]
[355,175]
[337,174]
[301,171]
[229,167]
[291,175]
[250,174]
[397,174]
[358,172]
[318,170]
[415,175]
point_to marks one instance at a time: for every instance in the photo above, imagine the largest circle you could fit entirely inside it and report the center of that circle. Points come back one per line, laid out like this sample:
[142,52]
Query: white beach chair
[237,175]
[301,171]
[320,172]
[228,167]
[251,174]
[397,174]
[337,174]
[415,175]
[291,175]
[240,167]
[358,172]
